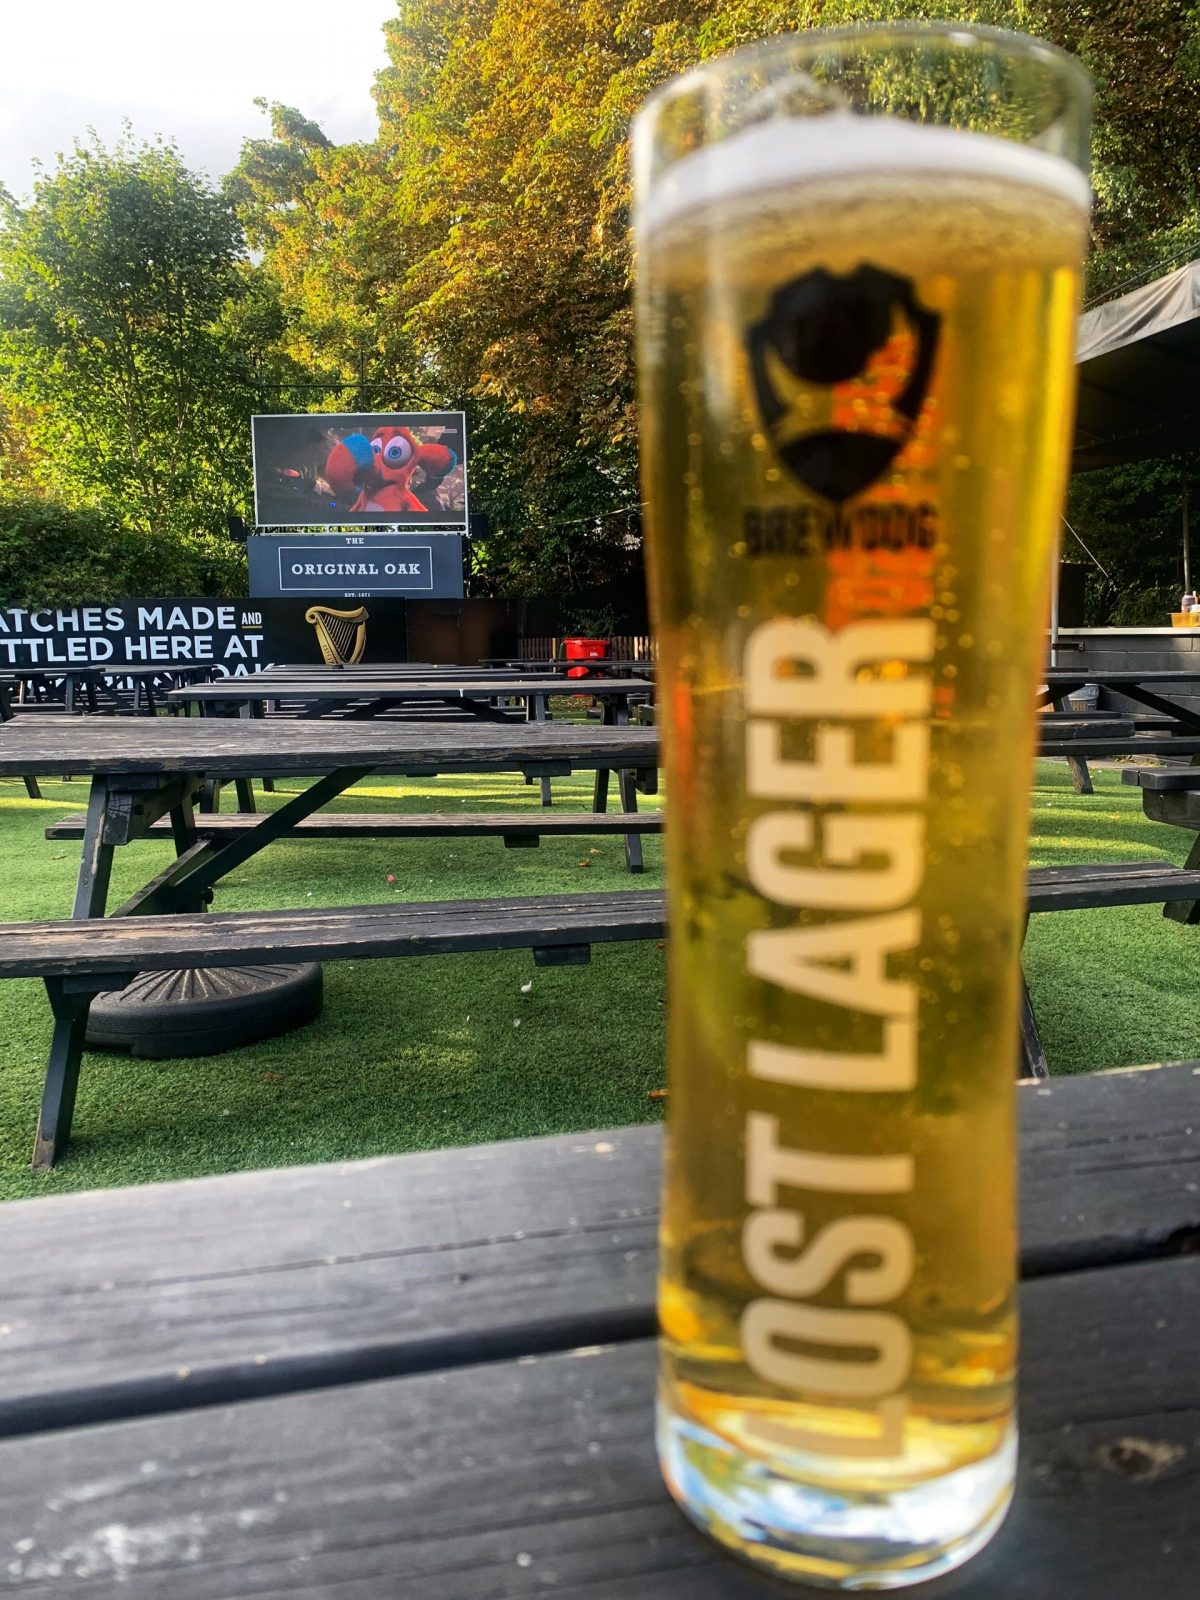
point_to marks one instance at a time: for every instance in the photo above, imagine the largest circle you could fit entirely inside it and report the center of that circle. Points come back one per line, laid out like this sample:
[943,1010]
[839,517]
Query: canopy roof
[1139,374]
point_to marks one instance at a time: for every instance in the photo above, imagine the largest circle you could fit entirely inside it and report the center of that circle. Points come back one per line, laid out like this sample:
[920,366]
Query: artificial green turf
[417,1053]
[406,1055]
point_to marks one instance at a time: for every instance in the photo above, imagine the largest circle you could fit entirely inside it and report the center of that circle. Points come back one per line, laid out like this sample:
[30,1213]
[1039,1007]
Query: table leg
[1033,1063]
[71,1009]
[616,715]
[633,841]
[6,715]
[245,794]
[258,710]
[1081,778]
[183,832]
[1186,911]
[535,711]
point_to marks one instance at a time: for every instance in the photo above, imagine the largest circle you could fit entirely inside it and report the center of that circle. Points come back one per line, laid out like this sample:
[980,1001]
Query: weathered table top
[111,669]
[231,748]
[379,669]
[335,687]
[432,1376]
[1096,747]
[1117,675]
[561,664]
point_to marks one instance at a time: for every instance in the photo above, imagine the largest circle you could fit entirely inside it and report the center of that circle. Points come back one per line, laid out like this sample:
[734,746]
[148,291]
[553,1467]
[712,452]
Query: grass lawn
[448,1050]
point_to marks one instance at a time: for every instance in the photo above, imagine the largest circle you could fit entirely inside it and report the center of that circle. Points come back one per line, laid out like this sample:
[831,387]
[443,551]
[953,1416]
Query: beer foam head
[793,151]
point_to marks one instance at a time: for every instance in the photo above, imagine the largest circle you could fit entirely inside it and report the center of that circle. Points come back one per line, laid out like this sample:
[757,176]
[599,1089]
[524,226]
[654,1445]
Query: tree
[478,250]
[120,344]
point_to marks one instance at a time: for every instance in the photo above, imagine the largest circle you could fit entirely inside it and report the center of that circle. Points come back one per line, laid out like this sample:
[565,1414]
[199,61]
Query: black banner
[226,635]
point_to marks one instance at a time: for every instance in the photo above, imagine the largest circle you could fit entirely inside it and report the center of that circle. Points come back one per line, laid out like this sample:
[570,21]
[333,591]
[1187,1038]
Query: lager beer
[856,368]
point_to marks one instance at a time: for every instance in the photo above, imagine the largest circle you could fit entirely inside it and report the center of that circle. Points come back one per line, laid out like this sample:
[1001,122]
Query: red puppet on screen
[381,469]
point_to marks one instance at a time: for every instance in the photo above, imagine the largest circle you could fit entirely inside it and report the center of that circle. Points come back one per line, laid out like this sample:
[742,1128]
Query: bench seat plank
[385,1264]
[1163,778]
[1118,883]
[387,825]
[114,945]
[537,1474]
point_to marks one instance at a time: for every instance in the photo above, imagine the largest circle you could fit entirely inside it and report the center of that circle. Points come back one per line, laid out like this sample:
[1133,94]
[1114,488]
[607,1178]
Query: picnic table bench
[1140,687]
[432,1376]
[78,960]
[153,774]
[591,665]
[358,698]
[1131,683]
[6,715]
[361,698]
[98,686]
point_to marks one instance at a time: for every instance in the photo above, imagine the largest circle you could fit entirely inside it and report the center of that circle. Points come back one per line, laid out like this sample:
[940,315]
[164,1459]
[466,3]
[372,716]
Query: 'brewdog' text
[798,671]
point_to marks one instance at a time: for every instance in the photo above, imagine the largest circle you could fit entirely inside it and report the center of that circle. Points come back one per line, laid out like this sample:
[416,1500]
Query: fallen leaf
[658,1094]
[595,852]
[527,988]
[272,1077]
[660,944]
[585,863]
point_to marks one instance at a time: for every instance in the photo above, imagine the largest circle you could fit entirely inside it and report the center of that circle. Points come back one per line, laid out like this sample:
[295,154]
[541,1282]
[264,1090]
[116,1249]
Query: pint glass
[858,260]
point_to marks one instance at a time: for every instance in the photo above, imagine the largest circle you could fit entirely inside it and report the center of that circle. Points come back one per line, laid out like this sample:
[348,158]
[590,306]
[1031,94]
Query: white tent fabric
[1140,314]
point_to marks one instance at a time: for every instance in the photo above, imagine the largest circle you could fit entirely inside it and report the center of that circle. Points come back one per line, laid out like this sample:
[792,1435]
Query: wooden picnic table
[85,682]
[431,1377]
[6,715]
[361,698]
[374,669]
[1132,683]
[1170,724]
[158,748]
[146,770]
[592,665]
[370,696]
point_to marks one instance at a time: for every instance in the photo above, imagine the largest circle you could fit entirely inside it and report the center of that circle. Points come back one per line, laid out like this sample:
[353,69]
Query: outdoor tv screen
[393,468]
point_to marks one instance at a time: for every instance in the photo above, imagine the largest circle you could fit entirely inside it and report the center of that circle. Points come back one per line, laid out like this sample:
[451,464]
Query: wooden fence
[622,647]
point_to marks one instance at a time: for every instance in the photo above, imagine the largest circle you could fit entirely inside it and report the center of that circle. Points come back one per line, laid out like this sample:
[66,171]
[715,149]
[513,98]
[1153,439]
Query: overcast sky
[189,70]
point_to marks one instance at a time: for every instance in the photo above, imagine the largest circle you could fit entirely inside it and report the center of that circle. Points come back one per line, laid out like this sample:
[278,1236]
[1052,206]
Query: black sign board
[357,566]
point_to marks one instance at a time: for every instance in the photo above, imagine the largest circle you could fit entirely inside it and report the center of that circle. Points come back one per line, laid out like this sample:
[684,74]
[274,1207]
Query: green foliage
[1130,520]
[119,339]
[478,252]
[596,622]
[53,555]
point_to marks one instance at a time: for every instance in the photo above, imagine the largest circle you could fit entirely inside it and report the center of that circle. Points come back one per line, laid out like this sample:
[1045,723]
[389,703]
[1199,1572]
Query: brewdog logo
[841,368]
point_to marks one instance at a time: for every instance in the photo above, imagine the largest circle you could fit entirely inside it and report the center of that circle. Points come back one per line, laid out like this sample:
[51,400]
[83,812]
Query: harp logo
[841,368]
[341,635]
